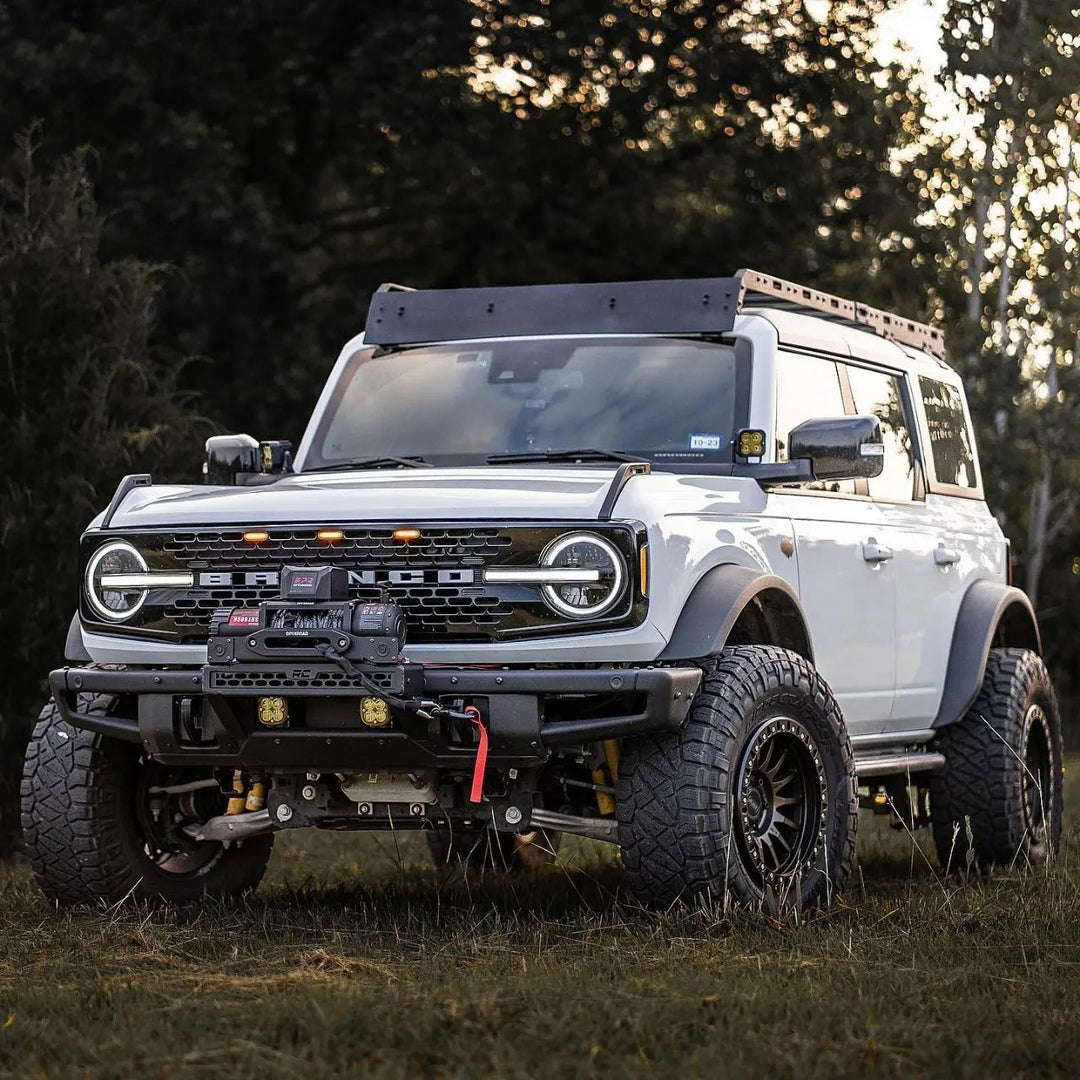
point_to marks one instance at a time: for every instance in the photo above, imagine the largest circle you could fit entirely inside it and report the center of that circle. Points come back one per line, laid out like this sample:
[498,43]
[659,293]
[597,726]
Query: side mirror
[240,459]
[840,448]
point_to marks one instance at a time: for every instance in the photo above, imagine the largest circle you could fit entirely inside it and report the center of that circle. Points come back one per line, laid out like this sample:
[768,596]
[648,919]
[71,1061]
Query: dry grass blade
[358,956]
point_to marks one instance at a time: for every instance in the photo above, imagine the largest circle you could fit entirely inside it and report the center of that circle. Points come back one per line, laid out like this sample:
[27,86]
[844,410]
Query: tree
[286,159]
[86,398]
[1003,189]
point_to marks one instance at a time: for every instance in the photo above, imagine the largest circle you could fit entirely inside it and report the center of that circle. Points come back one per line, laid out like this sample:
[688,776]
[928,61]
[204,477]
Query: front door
[846,581]
[848,593]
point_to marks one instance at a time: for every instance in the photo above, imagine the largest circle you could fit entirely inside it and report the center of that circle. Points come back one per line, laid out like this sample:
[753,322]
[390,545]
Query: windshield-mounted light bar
[541,576]
[160,580]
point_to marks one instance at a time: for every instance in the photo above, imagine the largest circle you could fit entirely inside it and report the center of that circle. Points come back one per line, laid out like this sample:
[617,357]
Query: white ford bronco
[692,567]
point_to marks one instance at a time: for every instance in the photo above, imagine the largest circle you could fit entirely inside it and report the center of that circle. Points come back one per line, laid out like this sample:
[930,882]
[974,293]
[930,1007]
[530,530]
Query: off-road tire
[489,849]
[682,796]
[80,830]
[979,801]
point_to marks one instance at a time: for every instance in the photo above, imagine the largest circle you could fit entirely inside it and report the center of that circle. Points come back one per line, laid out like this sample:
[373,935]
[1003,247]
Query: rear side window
[807,388]
[881,394]
[950,439]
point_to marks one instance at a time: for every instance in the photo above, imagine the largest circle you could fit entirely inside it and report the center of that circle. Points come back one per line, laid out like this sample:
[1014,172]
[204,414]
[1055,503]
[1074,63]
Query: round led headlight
[118,560]
[593,571]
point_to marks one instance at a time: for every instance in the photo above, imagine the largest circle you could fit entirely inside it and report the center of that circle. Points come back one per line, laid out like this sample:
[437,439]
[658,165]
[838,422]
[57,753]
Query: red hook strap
[476,794]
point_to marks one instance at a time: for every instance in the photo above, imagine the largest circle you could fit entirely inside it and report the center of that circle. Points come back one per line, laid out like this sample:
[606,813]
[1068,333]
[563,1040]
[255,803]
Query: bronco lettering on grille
[227,578]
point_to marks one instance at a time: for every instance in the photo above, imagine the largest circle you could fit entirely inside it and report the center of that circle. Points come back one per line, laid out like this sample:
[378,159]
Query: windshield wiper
[587,454]
[375,463]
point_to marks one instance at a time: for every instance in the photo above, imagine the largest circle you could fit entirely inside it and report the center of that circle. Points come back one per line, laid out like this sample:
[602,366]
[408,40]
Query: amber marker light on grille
[643,568]
[256,536]
[403,536]
[330,536]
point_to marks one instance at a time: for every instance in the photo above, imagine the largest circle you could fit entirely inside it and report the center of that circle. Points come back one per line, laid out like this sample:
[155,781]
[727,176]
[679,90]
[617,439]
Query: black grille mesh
[325,680]
[368,546]
[435,612]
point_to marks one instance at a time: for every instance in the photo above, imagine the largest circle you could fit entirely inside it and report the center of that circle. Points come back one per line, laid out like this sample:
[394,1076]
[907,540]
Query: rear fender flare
[992,614]
[721,596]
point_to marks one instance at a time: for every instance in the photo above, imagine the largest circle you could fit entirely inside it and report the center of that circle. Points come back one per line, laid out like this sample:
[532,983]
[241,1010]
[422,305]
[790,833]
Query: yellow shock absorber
[237,802]
[606,775]
[256,796]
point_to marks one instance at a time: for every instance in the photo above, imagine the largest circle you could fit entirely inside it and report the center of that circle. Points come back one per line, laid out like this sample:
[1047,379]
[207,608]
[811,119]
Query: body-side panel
[942,546]
[849,602]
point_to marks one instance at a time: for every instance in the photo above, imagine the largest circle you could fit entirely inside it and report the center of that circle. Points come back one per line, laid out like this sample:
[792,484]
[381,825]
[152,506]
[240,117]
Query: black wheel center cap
[755,804]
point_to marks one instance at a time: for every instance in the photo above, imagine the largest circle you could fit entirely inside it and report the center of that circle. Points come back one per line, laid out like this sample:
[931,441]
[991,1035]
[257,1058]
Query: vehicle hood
[396,495]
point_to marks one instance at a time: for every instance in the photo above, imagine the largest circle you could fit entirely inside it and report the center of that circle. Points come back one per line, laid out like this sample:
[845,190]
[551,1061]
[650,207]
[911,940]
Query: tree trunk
[1040,498]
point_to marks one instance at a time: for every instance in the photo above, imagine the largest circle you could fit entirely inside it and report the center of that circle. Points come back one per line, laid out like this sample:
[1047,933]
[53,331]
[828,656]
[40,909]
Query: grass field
[356,959]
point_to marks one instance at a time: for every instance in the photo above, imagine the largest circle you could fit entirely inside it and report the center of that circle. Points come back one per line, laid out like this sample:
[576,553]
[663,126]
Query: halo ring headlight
[115,558]
[584,550]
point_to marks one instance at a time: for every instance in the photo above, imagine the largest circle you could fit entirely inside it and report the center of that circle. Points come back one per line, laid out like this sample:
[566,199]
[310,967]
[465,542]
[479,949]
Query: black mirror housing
[242,460]
[840,448]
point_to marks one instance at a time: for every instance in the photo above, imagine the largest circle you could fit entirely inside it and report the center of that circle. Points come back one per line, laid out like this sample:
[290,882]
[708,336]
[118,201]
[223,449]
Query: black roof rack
[402,316]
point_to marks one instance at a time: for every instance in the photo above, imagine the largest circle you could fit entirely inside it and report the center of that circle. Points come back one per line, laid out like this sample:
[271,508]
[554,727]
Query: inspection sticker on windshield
[706,442]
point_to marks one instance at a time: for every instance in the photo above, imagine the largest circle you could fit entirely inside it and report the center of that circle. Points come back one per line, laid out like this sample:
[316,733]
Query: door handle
[875,553]
[945,557]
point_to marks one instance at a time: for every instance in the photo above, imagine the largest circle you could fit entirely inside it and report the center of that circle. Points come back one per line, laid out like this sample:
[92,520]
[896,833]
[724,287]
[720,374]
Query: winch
[313,617]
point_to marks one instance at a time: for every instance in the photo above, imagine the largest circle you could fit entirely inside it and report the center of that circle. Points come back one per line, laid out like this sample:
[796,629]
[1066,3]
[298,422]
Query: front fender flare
[74,649]
[991,614]
[721,596]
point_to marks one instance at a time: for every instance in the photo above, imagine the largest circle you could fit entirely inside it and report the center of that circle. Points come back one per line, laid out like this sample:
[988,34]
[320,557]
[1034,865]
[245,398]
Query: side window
[881,394]
[807,388]
[950,439]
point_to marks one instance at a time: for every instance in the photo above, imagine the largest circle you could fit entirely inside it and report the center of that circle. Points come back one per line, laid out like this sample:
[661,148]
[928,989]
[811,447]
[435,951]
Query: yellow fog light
[374,712]
[273,711]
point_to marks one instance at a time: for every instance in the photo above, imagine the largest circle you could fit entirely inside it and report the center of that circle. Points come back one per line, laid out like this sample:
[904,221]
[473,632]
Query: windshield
[666,399]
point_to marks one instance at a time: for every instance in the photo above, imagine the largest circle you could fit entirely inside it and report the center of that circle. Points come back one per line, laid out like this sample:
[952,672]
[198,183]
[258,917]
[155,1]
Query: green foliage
[86,398]
[286,159]
[1004,193]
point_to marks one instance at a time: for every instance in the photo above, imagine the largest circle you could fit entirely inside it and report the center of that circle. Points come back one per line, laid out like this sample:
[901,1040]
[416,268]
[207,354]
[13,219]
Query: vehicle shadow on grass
[586,883]
[356,884]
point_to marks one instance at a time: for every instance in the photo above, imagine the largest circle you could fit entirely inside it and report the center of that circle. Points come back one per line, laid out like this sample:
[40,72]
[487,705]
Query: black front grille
[464,609]
[435,612]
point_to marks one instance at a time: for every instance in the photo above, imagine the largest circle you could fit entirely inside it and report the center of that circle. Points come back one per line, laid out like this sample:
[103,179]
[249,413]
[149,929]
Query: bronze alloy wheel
[783,800]
[1035,780]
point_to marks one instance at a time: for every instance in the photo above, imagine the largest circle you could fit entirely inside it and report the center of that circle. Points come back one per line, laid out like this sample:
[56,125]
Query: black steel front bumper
[526,712]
